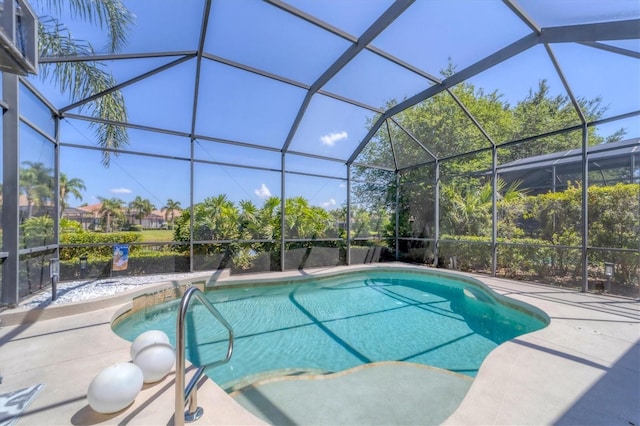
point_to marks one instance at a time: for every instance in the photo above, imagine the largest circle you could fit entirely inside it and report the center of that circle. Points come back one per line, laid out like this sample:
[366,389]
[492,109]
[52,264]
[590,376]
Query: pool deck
[584,368]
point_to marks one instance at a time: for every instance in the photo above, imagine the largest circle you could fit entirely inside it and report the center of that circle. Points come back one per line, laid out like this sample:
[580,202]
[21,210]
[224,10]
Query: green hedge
[534,259]
[141,263]
[471,255]
[106,239]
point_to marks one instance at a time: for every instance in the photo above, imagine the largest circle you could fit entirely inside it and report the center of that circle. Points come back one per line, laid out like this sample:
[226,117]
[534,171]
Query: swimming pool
[331,324]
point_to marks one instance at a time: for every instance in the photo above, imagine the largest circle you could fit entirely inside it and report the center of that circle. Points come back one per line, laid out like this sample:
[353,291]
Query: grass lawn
[157,235]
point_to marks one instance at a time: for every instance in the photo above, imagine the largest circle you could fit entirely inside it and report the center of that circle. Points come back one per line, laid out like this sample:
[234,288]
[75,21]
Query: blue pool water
[337,323]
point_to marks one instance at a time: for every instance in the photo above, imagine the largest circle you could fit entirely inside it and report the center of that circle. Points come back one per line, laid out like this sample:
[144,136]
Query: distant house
[90,218]
[168,216]
[154,220]
[609,163]
[29,209]
[87,219]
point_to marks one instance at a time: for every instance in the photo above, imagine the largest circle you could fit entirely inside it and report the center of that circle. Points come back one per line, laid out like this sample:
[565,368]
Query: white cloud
[263,192]
[120,191]
[332,138]
[329,203]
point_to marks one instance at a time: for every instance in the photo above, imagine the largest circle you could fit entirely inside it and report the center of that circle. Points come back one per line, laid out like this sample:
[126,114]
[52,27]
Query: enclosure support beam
[282,210]
[638,213]
[397,209]
[482,65]
[56,207]
[192,137]
[598,31]
[585,209]
[10,190]
[436,213]
[191,209]
[396,9]
[348,218]
[494,209]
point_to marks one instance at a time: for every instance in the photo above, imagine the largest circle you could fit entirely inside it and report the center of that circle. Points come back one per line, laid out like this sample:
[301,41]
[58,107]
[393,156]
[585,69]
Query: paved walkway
[584,368]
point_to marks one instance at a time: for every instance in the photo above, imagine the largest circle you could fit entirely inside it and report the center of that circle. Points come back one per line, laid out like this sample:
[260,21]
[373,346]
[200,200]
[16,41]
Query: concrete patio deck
[584,368]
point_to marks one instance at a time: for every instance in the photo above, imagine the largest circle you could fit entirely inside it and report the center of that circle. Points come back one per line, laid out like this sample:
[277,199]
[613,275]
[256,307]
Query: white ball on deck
[115,387]
[146,339]
[155,361]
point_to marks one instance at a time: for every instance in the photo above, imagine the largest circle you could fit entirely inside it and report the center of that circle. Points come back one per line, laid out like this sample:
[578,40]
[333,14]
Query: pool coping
[571,371]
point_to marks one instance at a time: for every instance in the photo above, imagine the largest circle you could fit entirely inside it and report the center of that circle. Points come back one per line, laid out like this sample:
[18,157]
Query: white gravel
[77,291]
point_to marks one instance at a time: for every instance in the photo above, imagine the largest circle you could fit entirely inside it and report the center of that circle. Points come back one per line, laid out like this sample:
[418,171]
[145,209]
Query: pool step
[252,380]
[379,393]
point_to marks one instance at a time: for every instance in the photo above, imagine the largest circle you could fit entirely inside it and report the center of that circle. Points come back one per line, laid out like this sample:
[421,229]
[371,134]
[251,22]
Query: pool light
[155,361]
[153,353]
[115,388]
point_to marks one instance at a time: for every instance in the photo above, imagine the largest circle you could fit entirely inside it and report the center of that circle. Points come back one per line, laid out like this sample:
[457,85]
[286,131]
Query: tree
[248,221]
[467,209]
[142,207]
[269,225]
[36,231]
[303,220]
[464,153]
[540,113]
[36,183]
[216,218]
[269,218]
[111,209]
[83,79]
[170,211]
[69,187]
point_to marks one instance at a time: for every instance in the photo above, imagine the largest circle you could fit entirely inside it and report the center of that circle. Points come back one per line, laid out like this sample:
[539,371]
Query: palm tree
[216,218]
[36,183]
[248,220]
[269,218]
[142,207]
[170,211]
[69,187]
[303,220]
[468,209]
[111,207]
[87,82]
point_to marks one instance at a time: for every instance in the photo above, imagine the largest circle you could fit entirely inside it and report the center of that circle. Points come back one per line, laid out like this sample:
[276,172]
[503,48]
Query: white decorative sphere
[147,338]
[115,387]
[155,361]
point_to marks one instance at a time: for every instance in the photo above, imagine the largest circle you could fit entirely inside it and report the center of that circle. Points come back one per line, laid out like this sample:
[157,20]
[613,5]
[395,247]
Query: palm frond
[109,14]
[82,79]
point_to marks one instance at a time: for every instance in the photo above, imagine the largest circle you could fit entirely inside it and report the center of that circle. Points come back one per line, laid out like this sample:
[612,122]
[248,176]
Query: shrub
[68,225]
[36,231]
[103,243]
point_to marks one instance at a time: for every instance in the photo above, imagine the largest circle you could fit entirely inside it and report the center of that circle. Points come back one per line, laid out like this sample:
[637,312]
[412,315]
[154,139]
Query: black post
[54,273]
[83,266]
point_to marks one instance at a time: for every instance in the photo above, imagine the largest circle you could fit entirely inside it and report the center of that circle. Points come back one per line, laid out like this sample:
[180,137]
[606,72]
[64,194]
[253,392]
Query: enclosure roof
[536,171]
[320,78]
[621,151]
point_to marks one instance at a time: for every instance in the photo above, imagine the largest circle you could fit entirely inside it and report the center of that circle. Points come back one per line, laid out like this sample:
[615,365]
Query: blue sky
[241,106]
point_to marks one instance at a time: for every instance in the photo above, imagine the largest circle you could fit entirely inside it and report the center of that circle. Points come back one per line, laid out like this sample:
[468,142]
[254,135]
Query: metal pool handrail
[190,392]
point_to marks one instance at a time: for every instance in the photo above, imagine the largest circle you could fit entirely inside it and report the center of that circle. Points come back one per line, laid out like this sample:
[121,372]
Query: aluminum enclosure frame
[587,34]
